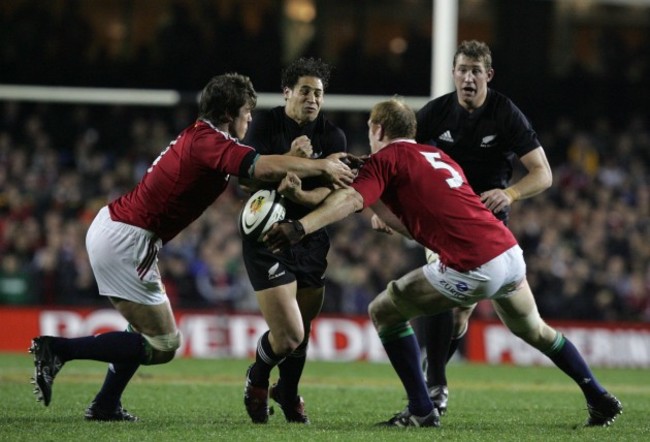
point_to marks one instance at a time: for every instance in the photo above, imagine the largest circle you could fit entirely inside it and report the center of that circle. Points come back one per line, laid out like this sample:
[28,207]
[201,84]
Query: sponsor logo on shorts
[455,289]
[273,271]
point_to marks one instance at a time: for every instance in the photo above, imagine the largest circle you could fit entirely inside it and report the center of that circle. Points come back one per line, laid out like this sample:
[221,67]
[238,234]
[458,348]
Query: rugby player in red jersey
[125,236]
[484,132]
[422,193]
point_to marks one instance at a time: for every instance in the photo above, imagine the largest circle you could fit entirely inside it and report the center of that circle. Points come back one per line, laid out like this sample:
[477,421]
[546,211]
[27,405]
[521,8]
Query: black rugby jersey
[271,133]
[484,142]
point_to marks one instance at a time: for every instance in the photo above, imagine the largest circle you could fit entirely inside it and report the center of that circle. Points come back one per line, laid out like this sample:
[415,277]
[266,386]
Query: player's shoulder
[275,113]
[397,151]
[205,132]
[268,117]
[437,104]
[505,110]
[329,133]
[501,101]
[332,128]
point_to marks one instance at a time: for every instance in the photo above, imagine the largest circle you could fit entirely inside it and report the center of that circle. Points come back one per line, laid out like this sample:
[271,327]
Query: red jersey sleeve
[183,181]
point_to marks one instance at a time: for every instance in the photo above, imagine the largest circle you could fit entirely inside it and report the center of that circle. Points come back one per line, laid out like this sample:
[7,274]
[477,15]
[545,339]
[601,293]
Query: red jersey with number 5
[183,181]
[429,193]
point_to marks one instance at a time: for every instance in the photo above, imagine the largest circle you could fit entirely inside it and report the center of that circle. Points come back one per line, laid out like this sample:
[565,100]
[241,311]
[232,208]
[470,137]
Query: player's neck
[471,105]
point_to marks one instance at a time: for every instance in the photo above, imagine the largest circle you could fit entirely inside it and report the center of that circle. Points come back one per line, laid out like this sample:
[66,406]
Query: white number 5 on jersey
[456,179]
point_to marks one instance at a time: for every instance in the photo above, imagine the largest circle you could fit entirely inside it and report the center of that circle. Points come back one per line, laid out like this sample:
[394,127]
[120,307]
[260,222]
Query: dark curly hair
[306,67]
[224,95]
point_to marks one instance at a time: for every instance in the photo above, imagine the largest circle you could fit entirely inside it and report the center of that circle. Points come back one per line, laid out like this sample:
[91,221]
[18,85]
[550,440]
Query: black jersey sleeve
[522,137]
[336,139]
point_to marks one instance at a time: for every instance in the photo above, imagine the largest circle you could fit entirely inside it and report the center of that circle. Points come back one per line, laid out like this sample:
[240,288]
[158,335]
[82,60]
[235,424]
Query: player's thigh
[280,309]
[383,312]
[124,259]
[519,313]
[310,302]
[151,320]
[413,295]
[518,305]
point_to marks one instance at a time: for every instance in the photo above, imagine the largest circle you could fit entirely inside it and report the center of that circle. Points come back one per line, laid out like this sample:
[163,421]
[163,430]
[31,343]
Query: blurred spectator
[586,240]
[15,282]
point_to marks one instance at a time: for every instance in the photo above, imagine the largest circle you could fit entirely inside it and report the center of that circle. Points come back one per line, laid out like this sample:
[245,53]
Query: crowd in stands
[586,240]
[180,44]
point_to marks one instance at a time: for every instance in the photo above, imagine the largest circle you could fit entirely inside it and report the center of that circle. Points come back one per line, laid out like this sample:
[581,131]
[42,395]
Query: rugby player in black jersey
[290,286]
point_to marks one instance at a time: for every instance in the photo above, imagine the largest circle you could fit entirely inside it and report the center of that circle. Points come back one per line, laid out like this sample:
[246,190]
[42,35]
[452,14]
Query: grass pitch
[201,400]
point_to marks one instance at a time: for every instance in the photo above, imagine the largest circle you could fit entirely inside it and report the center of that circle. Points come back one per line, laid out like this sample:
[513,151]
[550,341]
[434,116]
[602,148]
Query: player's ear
[286,92]
[382,133]
[490,74]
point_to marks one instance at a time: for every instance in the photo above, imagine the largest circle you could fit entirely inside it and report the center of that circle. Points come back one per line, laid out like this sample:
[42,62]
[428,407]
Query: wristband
[300,229]
[512,193]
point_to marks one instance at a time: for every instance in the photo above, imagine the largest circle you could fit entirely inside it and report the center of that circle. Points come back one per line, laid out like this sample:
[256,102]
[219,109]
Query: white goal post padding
[168,97]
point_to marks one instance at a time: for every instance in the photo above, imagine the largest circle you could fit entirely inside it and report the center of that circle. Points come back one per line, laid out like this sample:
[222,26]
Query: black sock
[265,360]
[404,354]
[291,372]
[115,347]
[117,378]
[453,346]
[438,330]
[455,342]
[564,354]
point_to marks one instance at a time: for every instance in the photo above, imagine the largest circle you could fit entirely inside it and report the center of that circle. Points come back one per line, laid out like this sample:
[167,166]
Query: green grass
[200,400]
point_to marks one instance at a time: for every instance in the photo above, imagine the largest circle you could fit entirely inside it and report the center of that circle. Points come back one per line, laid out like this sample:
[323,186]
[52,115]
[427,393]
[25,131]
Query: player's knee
[292,343]
[371,310]
[301,350]
[460,328]
[162,348]
[531,328]
[382,309]
[288,341]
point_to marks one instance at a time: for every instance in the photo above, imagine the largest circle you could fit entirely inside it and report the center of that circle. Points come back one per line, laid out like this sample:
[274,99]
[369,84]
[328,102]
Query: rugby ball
[264,208]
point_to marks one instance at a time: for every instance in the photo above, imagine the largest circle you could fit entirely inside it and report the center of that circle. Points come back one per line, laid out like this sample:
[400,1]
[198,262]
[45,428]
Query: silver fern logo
[273,271]
[488,141]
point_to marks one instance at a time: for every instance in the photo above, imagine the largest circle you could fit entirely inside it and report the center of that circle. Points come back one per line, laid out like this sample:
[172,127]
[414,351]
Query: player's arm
[291,188]
[379,225]
[338,205]
[388,219]
[301,147]
[275,167]
[538,178]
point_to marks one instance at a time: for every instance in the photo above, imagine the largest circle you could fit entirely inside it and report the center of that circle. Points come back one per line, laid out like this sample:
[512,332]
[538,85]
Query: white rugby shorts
[497,278]
[124,260]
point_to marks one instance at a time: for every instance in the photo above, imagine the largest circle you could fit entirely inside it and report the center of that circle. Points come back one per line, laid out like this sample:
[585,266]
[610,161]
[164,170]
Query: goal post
[170,98]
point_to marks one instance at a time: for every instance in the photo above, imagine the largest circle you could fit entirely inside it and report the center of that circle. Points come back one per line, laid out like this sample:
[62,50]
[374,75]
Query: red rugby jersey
[429,193]
[183,181]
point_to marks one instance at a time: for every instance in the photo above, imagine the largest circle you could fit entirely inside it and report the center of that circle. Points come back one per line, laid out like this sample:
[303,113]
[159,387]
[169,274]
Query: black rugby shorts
[304,263]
